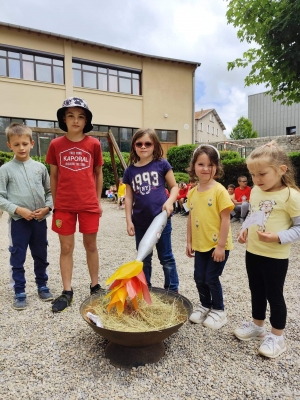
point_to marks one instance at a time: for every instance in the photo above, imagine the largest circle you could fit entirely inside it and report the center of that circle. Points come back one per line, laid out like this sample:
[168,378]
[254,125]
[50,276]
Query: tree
[243,130]
[274,25]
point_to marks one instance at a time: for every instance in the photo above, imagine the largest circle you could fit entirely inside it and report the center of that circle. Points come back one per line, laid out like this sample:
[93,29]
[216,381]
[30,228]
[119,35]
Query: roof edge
[118,49]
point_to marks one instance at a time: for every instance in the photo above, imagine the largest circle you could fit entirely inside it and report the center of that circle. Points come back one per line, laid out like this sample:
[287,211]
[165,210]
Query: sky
[193,30]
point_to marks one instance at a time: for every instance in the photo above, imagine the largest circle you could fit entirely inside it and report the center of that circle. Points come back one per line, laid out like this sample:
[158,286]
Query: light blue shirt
[24,184]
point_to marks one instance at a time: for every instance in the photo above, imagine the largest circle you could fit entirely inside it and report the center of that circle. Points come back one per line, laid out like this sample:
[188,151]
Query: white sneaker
[215,319]
[250,331]
[272,346]
[199,315]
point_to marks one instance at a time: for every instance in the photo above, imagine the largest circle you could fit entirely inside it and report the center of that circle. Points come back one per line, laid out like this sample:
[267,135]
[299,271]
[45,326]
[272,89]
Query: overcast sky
[193,30]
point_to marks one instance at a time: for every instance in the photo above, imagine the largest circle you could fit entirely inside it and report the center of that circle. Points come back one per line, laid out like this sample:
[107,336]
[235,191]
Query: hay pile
[164,312]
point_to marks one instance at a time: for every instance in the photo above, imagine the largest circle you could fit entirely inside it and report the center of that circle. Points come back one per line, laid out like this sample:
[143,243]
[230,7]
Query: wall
[272,118]
[204,136]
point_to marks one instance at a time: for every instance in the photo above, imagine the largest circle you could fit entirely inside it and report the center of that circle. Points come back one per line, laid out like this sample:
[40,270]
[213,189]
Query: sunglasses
[141,144]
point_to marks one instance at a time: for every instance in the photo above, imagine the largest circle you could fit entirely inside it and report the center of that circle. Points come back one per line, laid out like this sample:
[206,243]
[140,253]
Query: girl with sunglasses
[145,180]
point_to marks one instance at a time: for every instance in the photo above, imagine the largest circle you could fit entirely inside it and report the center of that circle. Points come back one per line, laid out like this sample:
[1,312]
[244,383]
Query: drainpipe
[193,108]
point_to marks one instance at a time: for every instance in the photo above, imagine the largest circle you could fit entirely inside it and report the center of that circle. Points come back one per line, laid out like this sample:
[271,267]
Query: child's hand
[218,254]
[40,213]
[168,206]
[130,229]
[25,213]
[268,237]
[101,210]
[242,236]
[189,251]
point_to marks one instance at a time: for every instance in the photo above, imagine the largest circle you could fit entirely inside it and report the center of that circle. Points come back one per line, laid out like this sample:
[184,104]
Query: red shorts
[64,223]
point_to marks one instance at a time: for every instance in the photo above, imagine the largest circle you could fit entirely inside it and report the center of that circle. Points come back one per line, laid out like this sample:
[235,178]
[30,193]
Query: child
[208,235]
[146,197]
[76,184]
[268,246]
[230,190]
[25,194]
[241,200]
[121,193]
[183,191]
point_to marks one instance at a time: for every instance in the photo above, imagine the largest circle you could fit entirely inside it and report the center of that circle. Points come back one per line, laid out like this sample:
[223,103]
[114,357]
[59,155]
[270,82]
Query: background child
[268,246]
[208,235]
[76,184]
[25,194]
[230,190]
[241,200]
[146,197]
[121,193]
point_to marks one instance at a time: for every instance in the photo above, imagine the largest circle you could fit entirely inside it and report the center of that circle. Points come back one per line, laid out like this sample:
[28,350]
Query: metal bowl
[138,339]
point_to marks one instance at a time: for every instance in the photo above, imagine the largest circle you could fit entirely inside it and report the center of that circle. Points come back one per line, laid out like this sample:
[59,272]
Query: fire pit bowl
[132,349]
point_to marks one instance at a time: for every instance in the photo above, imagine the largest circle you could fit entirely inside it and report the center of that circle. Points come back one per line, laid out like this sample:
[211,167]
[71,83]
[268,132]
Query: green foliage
[180,156]
[42,159]
[274,26]
[108,174]
[232,170]
[229,155]
[181,177]
[5,156]
[243,130]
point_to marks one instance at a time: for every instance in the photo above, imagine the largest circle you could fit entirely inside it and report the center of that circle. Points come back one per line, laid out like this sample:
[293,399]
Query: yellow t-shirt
[279,207]
[121,190]
[205,208]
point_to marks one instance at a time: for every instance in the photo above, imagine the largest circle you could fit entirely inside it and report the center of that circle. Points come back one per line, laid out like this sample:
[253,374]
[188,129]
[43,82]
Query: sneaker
[20,301]
[44,293]
[63,301]
[199,315]
[272,346]
[95,289]
[215,319]
[234,219]
[250,331]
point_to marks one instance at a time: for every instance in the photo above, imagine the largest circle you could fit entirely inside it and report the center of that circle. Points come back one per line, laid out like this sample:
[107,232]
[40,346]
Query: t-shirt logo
[75,159]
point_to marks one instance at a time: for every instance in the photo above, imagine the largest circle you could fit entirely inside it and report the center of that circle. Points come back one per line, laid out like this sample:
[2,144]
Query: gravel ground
[46,356]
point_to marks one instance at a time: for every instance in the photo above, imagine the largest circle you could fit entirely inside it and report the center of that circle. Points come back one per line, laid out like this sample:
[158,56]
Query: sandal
[63,301]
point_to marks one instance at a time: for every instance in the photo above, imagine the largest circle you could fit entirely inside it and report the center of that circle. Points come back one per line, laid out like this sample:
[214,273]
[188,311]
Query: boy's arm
[53,181]
[9,206]
[42,212]
[99,184]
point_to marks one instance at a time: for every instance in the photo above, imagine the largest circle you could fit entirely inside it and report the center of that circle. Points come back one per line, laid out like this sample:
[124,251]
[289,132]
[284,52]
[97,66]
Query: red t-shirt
[76,161]
[183,193]
[238,193]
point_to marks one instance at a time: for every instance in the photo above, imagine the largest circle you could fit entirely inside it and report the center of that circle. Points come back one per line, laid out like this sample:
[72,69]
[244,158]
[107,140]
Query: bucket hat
[74,102]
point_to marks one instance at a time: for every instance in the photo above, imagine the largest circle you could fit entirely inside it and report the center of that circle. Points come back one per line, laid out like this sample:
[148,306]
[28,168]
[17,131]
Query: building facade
[208,126]
[272,118]
[125,90]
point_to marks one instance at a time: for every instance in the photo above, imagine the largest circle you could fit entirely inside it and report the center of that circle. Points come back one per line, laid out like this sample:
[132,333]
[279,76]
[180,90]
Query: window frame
[29,52]
[110,69]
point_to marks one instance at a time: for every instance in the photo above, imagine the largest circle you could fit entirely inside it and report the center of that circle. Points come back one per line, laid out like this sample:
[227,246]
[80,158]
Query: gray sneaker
[272,346]
[20,301]
[250,331]
[199,314]
[45,294]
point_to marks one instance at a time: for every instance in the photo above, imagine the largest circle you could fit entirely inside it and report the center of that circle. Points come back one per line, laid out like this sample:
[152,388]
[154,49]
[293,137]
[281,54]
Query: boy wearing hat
[76,184]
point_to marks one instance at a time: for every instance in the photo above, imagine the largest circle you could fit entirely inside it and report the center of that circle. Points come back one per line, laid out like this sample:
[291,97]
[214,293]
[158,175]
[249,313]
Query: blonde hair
[274,156]
[17,129]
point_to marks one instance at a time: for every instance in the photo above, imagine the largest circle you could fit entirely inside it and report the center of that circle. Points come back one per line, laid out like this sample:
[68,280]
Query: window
[166,136]
[17,64]
[102,77]
[213,130]
[212,117]
[201,127]
[217,132]
[291,130]
[207,128]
